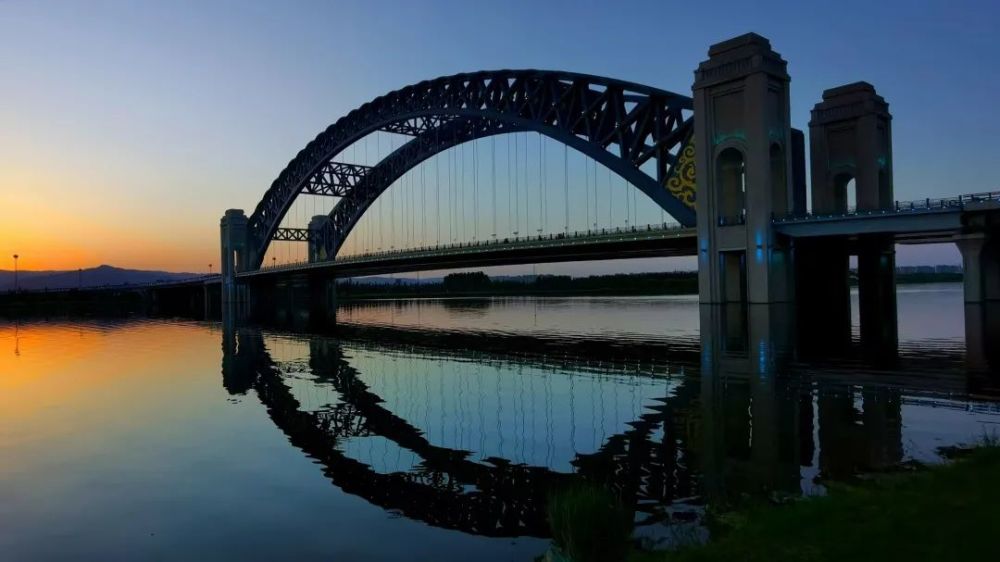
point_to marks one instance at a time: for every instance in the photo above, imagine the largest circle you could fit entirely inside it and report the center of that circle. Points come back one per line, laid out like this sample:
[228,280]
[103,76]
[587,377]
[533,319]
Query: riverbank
[940,513]
[478,284]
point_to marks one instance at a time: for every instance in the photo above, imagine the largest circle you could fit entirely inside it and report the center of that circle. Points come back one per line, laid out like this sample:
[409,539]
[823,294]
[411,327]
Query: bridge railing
[497,243]
[927,205]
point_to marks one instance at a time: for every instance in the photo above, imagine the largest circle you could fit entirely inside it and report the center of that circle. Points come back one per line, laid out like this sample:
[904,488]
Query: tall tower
[850,140]
[235,253]
[850,146]
[743,141]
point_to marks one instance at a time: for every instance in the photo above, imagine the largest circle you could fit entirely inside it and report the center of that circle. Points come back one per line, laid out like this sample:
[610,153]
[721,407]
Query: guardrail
[541,240]
[928,205]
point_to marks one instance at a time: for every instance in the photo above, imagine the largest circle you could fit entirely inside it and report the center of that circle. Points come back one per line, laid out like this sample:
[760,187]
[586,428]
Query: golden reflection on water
[59,381]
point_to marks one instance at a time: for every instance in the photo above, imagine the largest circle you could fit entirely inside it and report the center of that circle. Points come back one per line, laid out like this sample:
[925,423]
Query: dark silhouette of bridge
[455,179]
[724,163]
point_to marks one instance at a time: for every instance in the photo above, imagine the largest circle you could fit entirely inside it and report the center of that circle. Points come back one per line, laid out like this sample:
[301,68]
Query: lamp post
[274,261]
[209,269]
[16,286]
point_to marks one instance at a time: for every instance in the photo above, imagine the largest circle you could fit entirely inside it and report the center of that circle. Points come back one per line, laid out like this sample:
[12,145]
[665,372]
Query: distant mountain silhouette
[91,277]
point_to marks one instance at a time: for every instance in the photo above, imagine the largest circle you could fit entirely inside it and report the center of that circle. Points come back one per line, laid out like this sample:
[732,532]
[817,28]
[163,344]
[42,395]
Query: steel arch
[620,124]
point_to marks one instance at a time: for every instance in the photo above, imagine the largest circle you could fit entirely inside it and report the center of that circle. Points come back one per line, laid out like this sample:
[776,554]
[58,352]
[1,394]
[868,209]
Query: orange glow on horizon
[74,231]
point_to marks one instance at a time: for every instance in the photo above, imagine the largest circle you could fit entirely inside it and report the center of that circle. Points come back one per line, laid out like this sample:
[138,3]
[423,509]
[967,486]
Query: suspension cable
[517,188]
[541,185]
[392,209]
[475,190]
[566,185]
[627,212]
[527,215]
[493,167]
[423,207]
[510,207]
[452,181]
[461,190]
[586,193]
[437,197]
[611,197]
[596,219]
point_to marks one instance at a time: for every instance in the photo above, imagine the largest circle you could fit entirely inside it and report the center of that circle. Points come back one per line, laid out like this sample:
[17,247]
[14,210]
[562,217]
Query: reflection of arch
[447,489]
[731,186]
[622,125]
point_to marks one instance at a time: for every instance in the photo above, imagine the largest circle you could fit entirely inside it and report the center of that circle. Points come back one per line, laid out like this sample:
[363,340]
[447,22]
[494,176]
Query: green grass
[589,524]
[949,512]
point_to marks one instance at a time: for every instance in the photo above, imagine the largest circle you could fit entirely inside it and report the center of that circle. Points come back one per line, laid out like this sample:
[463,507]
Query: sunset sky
[128,128]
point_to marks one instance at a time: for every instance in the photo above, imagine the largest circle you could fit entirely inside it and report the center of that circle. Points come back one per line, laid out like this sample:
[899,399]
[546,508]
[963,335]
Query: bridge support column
[235,255]
[981,265]
[823,295]
[322,302]
[877,294]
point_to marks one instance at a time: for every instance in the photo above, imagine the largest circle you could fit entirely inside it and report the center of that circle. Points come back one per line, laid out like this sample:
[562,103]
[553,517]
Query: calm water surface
[150,439]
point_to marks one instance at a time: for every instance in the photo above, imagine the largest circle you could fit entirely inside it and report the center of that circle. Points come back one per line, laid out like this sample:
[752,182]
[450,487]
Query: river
[435,429]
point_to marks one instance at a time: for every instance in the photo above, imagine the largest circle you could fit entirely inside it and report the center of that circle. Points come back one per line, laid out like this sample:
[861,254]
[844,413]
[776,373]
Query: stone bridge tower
[743,143]
[850,147]
[235,254]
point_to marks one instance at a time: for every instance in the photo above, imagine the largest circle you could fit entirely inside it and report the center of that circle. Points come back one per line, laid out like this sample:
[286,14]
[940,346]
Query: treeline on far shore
[479,283]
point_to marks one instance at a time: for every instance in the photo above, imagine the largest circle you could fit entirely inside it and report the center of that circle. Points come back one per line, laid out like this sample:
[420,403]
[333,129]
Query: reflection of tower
[853,440]
[750,419]
[239,350]
[17,338]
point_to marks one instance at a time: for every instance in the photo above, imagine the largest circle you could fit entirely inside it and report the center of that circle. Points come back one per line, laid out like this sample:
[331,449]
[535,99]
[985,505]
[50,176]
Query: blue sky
[134,125]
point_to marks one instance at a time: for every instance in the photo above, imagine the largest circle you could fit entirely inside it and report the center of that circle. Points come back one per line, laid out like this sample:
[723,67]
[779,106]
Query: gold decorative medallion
[681,183]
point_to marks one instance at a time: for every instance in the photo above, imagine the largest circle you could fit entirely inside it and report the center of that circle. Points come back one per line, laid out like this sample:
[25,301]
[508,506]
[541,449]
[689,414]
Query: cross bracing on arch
[635,131]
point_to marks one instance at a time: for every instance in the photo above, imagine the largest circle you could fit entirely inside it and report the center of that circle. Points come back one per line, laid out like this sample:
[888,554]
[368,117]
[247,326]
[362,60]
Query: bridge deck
[645,241]
[913,222]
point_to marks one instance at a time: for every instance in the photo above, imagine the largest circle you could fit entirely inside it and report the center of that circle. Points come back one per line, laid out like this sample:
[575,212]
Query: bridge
[476,170]
[616,243]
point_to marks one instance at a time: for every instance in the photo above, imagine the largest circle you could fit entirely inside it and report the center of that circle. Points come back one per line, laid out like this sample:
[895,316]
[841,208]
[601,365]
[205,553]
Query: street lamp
[274,261]
[16,286]
[210,269]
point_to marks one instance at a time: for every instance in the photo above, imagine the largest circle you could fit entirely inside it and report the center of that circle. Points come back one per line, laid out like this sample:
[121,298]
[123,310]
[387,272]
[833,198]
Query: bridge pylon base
[877,295]
[823,295]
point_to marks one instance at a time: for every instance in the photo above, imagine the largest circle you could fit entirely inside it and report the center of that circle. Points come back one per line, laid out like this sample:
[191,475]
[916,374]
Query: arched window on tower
[845,194]
[731,182]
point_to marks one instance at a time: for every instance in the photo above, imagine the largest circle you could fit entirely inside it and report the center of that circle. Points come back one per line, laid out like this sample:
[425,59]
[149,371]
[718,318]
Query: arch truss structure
[641,133]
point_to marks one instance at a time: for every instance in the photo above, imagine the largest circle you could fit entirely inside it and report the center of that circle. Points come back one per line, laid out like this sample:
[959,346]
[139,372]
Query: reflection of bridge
[494,497]
[721,433]
[505,198]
